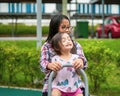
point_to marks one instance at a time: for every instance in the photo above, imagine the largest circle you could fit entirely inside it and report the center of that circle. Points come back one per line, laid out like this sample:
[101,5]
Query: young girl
[67,82]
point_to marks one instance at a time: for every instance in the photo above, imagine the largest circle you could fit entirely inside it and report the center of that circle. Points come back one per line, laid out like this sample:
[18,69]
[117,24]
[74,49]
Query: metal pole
[64,7]
[76,33]
[39,25]
[103,18]
[92,29]
[13,29]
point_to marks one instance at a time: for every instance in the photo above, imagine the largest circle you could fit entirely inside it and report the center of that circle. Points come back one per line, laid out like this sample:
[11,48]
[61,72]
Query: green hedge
[20,29]
[20,67]
[100,64]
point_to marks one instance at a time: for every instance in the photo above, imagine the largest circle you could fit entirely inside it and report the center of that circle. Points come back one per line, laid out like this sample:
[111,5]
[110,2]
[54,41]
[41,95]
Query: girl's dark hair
[54,25]
[56,43]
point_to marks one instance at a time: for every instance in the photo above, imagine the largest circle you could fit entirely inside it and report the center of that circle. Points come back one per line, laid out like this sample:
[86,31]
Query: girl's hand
[54,66]
[78,63]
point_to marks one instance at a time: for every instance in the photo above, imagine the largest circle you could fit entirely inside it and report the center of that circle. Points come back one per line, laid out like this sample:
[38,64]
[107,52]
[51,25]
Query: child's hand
[54,66]
[78,63]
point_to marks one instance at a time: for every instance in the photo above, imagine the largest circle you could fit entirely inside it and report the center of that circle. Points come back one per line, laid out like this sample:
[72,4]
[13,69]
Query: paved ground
[20,38]
[19,92]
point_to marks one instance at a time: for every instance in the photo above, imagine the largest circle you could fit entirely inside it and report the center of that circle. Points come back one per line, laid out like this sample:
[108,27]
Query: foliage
[20,30]
[5,29]
[118,59]
[20,67]
[45,30]
[101,62]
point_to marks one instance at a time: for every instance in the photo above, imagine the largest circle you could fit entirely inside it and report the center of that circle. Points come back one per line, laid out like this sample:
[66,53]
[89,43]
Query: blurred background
[24,26]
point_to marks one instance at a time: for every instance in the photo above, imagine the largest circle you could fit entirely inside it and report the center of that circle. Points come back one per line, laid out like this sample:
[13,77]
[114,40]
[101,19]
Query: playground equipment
[82,74]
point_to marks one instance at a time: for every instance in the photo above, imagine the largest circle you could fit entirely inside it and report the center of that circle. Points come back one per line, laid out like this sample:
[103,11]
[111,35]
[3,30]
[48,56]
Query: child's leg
[79,95]
[56,92]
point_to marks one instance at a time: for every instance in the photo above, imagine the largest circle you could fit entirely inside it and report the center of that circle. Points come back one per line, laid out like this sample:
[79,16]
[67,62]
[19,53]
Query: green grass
[20,43]
[113,44]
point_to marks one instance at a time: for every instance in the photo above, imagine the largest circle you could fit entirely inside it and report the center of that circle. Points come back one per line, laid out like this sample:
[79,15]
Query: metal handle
[52,74]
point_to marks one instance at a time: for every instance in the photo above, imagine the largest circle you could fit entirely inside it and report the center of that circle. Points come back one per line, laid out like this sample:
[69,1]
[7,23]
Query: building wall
[81,8]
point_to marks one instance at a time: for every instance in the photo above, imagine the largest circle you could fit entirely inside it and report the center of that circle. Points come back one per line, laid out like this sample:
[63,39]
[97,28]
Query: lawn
[113,44]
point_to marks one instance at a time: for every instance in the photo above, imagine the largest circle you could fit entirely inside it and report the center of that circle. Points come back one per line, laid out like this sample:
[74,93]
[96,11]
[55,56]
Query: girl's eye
[69,38]
[66,28]
[63,27]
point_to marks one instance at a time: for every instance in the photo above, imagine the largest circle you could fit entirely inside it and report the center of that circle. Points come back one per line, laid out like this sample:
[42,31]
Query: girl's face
[65,26]
[66,42]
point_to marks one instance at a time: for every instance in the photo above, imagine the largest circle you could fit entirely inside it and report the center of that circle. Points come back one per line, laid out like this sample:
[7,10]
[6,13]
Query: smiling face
[62,43]
[65,26]
[66,42]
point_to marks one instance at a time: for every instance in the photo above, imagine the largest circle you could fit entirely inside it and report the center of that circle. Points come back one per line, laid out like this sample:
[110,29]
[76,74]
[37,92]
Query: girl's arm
[80,52]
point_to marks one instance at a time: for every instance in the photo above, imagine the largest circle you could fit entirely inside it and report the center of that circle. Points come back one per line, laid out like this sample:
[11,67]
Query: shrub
[20,30]
[100,64]
[5,29]
[20,67]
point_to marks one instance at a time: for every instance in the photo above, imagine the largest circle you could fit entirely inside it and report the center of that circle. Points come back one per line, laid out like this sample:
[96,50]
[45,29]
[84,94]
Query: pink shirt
[66,80]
